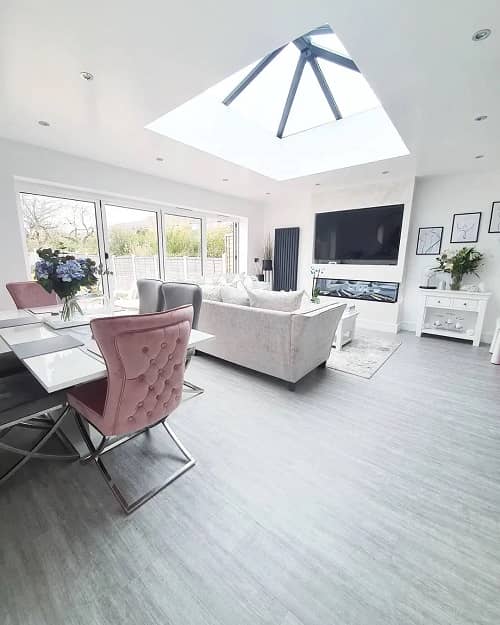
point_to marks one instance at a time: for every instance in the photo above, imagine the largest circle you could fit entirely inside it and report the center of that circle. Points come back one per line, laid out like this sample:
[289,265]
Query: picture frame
[465,227]
[429,240]
[494,226]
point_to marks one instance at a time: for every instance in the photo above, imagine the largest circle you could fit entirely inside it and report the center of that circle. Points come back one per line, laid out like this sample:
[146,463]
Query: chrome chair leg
[96,454]
[34,453]
[193,391]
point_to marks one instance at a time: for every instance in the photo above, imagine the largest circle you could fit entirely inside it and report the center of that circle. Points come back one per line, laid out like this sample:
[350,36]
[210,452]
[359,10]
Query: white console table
[459,314]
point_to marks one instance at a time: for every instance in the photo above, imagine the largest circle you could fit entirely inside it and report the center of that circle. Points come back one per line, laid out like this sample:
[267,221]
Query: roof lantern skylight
[306,83]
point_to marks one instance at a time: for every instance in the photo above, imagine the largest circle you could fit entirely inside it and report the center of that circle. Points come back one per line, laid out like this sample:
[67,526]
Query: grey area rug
[365,354]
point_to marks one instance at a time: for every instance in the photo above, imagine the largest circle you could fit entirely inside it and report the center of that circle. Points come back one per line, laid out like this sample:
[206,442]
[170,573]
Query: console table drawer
[466,304]
[440,302]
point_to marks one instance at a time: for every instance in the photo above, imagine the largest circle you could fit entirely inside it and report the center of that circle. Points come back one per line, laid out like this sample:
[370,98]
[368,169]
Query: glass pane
[310,107]
[133,249]
[60,223]
[331,42]
[350,89]
[221,248]
[263,100]
[182,248]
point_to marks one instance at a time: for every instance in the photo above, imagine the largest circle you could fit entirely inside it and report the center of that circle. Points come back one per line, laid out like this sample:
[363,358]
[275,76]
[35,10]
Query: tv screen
[365,236]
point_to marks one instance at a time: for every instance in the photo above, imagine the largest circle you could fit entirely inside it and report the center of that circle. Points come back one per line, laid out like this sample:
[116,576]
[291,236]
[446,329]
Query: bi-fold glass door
[131,248]
[62,223]
[129,243]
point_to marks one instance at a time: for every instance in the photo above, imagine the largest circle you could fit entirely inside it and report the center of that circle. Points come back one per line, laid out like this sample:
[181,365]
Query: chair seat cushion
[88,400]
[22,396]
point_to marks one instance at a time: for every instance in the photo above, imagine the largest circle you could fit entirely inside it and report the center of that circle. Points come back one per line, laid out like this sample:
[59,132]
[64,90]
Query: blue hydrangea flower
[42,270]
[70,270]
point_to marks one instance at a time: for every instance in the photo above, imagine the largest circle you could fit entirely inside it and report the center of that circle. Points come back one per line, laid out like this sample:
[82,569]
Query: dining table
[61,355]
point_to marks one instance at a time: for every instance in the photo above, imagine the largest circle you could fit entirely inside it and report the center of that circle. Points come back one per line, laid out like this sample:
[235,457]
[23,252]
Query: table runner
[45,346]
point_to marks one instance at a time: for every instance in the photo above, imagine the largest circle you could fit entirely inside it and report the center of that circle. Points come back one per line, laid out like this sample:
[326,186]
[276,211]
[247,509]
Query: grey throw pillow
[233,295]
[276,300]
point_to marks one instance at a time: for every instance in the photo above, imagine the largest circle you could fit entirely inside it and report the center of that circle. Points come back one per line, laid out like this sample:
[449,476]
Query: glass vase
[456,283]
[70,308]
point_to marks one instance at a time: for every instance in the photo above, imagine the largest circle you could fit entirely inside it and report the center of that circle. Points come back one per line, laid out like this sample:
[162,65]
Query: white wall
[435,201]
[301,212]
[18,160]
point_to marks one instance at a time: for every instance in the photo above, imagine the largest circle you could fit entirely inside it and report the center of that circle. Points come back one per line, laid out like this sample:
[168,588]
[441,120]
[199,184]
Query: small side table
[345,329]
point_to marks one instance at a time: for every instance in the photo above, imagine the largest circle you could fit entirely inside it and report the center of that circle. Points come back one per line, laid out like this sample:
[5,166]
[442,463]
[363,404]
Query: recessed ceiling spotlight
[86,76]
[385,172]
[317,184]
[42,122]
[268,192]
[160,159]
[479,156]
[225,179]
[480,118]
[482,34]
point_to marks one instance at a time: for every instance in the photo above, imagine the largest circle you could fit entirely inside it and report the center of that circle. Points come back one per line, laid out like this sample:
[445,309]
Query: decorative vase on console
[464,261]
[65,275]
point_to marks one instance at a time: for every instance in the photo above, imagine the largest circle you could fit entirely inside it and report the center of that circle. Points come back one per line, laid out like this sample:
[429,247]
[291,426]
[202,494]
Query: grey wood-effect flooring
[348,502]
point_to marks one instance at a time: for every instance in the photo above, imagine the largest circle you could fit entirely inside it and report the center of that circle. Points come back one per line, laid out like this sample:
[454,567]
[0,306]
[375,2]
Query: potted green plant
[464,261]
[315,272]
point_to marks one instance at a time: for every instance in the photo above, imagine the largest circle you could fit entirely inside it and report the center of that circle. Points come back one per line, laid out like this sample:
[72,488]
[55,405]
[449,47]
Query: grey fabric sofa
[286,345]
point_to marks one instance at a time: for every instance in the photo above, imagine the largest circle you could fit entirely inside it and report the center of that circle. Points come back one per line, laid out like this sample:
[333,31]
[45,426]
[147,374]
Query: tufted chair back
[30,294]
[144,355]
[182,294]
[150,295]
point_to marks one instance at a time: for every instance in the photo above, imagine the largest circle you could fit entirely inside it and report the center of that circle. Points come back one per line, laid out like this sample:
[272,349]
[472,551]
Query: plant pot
[267,265]
[260,277]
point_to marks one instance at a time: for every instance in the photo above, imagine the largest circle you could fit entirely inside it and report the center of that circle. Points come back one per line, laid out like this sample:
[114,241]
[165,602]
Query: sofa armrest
[312,337]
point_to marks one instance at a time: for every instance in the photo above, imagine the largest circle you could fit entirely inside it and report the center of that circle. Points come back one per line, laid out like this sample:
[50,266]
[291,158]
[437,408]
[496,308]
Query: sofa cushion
[211,292]
[276,300]
[233,295]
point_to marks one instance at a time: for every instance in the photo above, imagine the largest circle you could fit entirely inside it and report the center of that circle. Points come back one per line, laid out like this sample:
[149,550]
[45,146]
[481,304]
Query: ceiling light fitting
[86,76]
[479,156]
[385,172]
[160,159]
[42,122]
[225,179]
[480,118]
[481,35]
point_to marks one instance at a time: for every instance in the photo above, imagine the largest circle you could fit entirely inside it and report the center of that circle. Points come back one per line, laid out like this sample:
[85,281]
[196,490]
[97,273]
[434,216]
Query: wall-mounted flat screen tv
[364,236]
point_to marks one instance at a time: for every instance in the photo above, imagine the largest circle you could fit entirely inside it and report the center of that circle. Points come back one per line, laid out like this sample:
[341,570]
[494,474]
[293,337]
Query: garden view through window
[125,243]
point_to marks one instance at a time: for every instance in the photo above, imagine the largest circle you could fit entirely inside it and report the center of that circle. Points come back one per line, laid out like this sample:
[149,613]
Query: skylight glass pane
[330,41]
[350,89]
[263,100]
[310,107]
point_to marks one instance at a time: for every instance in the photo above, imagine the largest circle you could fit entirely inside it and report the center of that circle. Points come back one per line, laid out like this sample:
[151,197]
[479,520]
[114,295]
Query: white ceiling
[149,57]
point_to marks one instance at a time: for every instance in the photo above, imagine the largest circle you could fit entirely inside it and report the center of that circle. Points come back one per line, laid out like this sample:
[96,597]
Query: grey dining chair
[150,296]
[25,404]
[174,295]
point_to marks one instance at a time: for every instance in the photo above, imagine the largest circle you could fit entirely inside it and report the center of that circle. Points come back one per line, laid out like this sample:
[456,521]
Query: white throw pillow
[233,295]
[211,292]
[276,300]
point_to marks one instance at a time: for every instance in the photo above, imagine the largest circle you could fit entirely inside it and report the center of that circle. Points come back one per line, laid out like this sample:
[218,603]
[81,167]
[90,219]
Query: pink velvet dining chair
[144,356]
[30,294]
